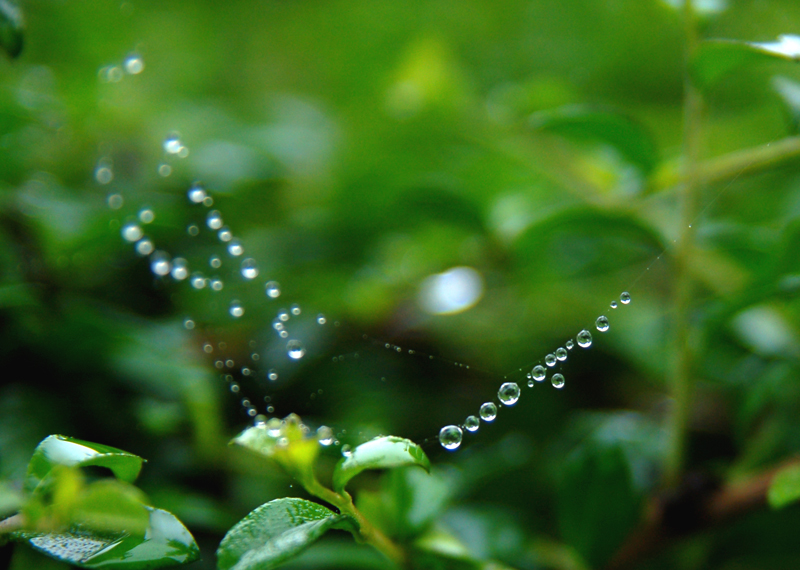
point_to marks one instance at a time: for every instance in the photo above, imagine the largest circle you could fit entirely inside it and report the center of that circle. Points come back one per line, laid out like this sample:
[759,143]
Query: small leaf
[716,58]
[60,450]
[379,453]
[274,533]
[12,25]
[165,542]
[785,487]
[614,129]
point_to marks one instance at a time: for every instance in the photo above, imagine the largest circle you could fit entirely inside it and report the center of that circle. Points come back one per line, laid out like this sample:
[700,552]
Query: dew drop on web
[215,262]
[236,309]
[321,320]
[472,423]
[214,220]
[450,437]
[561,354]
[488,411]
[295,349]
[325,435]
[613,304]
[557,380]
[225,235]
[235,247]
[131,233]
[550,360]
[538,373]
[625,298]
[146,215]
[217,284]
[295,309]
[569,344]
[249,268]
[198,281]
[180,269]
[273,289]
[272,375]
[160,264]
[508,393]
[601,323]
[584,339]
[196,193]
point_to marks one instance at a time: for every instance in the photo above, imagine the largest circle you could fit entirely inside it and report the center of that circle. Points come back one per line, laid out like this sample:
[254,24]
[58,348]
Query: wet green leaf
[274,533]
[164,542]
[68,452]
[785,487]
[12,26]
[591,123]
[717,58]
[379,453]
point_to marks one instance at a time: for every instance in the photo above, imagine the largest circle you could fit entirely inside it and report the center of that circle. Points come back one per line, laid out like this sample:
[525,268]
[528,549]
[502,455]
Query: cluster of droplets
[451,436]
[282,431]
[133,64]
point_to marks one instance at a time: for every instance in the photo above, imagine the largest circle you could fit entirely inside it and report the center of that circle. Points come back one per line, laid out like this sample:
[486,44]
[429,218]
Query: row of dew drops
[508,394]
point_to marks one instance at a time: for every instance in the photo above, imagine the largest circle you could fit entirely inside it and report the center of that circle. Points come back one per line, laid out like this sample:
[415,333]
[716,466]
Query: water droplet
[235,388]
[131,233]
[110,74]
[346,451]
[283,315]
[508,393]
[569,344]
[164,170]
[188,324]
[295,309]
[472,423]
[197,280]
[295,349]
[207,348]
[249,268]
[144,246]
[215,262]
[217,284]
[225,235]
[255,356]
[146,215]
[584,339]
[180,269]
[550,360]
[196,193]
[321,320]
[235,247]
[173,144]
[561,354]
[134,64]
[214,220]
[273,289]
[193,230]
[272,375]
[601,323]
[531,383]
[103,173]
[538,373]
[208,201]
[450,437]
[277,324]
[625,298]
[613,304]
[274,427]
[115,201]
[557,380]
[488,411]
[236,310]
[325,435]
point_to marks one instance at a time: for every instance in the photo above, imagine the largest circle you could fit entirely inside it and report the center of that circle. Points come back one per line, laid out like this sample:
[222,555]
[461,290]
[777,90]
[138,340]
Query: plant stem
[366,531]
[682,360]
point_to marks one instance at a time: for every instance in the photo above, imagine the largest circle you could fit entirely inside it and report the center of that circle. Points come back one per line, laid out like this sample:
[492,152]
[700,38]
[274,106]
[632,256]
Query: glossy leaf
[66,451]
[165,542]
[590,123]
[717,58]
[785,487]
[273,533]
[379,453]
[12,26]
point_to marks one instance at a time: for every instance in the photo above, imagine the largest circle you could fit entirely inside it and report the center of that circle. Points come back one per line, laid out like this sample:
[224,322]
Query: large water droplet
[196,193]
[601,323]
[557,380]
[235,247]
[508,393]
[538,373]
[214,220]
[550,360]
[450,437]
[131,233]
[160,263]
[325,435]
[488,411]
[472,423]
[236,309]
[561,354]
[180,269]
[584,339]
[625,298]
[249,268]
[295,349]
[273,289]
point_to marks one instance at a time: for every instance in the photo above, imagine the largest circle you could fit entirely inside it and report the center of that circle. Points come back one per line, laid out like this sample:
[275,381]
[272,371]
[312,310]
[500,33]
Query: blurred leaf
[285,442]
[274,533]
[10,499]
[379,453]
[12,25]
[601,125]
[597,502]
[109,506]
[165,542]
[61,450]
[789,91]
[717,58]
[785,487]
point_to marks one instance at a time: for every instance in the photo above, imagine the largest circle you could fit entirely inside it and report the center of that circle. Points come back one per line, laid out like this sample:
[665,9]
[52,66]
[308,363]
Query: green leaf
[165,542]
[785,487]
[379,453]
[717,58]
[12,25]
[274,533]
[592,123]
[66,451]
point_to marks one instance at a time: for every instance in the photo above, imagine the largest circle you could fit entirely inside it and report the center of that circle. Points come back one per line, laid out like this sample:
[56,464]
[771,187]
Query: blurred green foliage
[356,149]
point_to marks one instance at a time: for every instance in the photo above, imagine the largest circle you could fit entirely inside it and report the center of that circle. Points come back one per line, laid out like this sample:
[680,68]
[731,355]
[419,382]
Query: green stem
[682,354]
[366,531]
